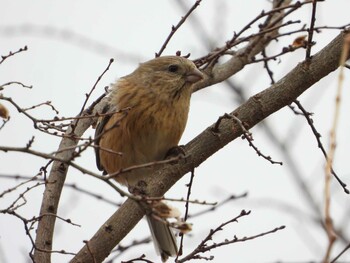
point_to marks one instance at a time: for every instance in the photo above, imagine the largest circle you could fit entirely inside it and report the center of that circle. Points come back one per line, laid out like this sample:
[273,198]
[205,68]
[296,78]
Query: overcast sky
[70,44]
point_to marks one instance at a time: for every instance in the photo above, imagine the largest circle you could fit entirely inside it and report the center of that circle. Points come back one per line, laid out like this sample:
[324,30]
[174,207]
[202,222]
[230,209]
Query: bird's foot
[176,151]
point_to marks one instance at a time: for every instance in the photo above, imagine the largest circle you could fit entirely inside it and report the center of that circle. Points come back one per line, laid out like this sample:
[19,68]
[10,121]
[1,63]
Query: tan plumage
[158,93]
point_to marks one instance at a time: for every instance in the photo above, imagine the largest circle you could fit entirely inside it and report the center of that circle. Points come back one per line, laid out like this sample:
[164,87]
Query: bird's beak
[194,75]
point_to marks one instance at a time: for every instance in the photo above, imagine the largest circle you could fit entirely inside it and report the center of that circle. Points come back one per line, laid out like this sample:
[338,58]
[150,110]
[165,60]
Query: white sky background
[62,69]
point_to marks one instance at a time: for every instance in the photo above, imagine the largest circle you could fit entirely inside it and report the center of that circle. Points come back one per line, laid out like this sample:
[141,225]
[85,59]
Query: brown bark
[44,238]
[257,108]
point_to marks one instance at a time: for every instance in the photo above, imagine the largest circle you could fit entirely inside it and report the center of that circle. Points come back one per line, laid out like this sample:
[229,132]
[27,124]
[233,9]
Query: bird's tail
[163,238]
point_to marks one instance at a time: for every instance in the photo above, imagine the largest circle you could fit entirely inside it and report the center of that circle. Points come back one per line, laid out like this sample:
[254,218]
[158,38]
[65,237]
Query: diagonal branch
[257,108]
[44,238]
[45,230]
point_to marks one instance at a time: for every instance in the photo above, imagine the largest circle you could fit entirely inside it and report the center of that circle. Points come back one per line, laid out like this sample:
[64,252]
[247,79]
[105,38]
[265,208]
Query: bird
[157,95]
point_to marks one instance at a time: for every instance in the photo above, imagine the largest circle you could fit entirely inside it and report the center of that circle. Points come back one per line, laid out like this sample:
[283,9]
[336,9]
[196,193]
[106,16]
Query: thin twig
[182,200]
[28,229]
[141,258]
[15,82]
[69,162]
[235,40]
[319,143]
[341,253]
[219,204]
[90,92]
[187,205]
[94,86]
[246,135]
[267,67]
[175,28]
[311,30]
[69,221]
[4,57]
[145,165]
[48,103]
[284,51]
[9,190]
[69,185]
[122,248]
[204,247]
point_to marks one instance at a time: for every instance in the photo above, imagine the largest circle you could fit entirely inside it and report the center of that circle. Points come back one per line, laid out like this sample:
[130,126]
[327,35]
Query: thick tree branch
[257,108]
[56,179]
[59,170]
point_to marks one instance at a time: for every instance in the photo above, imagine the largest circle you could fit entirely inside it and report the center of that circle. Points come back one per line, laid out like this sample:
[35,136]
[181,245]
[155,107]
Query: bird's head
[168,75]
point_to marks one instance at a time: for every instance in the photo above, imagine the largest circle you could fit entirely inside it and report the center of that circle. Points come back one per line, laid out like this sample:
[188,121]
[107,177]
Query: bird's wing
[98,133]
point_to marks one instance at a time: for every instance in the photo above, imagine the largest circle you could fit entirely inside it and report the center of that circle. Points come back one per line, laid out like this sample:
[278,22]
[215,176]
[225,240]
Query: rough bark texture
[44,238]
[257,108]
[53,190]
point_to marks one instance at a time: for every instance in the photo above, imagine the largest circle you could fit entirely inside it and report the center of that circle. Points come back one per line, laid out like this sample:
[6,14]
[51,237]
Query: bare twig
[175,28]
[268,26]
[15,82]
[204,247]
[122,248]
[317,135]
[69,221]
[246,135]
[228,199]
[284,51]
[187,205]
[69,185]
[310,43]
[267,67]
[145,165]
[47,125]
[4,123]
[9,190]
[47,103]
[317,29]
[340,254]
[141,258]
[29,223]
[94,86]
[4,57]
[21,197]
[182,200]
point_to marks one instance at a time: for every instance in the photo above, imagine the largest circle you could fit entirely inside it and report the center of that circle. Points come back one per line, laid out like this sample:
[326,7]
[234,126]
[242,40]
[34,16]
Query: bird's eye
[173,68]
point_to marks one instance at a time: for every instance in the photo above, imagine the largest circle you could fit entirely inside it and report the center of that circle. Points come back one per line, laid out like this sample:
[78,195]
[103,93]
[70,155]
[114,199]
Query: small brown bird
[158,94]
